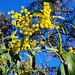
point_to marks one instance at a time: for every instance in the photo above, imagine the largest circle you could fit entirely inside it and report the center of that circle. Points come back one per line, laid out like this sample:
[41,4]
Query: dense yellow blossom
[16,45]
[12,12]
[24,21]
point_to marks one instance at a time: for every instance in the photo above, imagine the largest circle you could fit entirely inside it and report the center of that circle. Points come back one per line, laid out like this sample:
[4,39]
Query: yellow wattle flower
[33,53]
[12,12]
[22,7]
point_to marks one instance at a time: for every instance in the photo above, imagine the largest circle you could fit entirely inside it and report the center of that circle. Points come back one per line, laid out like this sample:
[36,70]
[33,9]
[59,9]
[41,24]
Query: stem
[52,46]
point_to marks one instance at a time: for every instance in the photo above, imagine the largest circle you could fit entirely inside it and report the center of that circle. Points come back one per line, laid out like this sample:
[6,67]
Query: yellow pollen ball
[22,7]
[25,10]
[37,25]
[12,12]
[21,11]
[33,53]
[21,31]
[8,13]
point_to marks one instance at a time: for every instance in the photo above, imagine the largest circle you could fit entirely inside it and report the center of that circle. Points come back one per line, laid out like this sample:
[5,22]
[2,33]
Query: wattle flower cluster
[45,18]
[24,21]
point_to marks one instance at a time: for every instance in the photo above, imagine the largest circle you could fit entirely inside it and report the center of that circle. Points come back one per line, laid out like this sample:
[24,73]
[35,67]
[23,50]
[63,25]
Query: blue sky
[8,5]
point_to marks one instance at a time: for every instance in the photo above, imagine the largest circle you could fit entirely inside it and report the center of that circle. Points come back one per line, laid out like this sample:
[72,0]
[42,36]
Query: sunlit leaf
[58,17]
[63,28]
[22,41]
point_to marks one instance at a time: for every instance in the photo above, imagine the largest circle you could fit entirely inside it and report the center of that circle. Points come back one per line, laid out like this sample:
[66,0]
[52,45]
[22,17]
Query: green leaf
[19,71]
[22,41]
[64,69]
[13,21]
[3,47]
[59,71]
[69,60]
[34,34]
[36,11]
[0,31]
[15,32]
[71,63]
[72,25]
[39,72]
[63,28]
[58,17]
[53,49]
[3,68]
[58,43]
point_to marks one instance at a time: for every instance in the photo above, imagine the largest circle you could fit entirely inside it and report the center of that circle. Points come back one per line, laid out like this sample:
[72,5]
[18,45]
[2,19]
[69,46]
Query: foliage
[11,46]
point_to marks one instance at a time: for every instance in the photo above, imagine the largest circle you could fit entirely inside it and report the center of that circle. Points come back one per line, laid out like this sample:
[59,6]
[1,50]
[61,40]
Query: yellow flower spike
[33,53]
[41,25]
[8,13]
[16,13]
[14,41]
[51,27]
[20,57]
[33,26]
[4,63]
[12,12]
[46,26]
[21,31]
[19,14]
[26,32]
[30,33]
[45,3]
[28,13]
[42,42]
[12,16]
[26,39]
[8,49]
[70,48]
[37,25]
[71,51]
[18,25]
[16,17]
[22,7]
[22,71]
[57,27]
[38,48]
[12,36]
[21,11]
[25,10]
[27,61]
[30,16]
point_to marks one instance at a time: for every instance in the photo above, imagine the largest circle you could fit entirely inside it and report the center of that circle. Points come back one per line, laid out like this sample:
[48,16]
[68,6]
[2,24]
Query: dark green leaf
[34,34]
[59,71]
[22,41]
[64,69]
[37,11]
[58,43]
[63,28]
